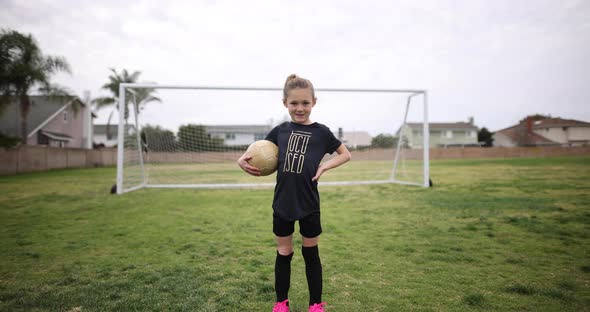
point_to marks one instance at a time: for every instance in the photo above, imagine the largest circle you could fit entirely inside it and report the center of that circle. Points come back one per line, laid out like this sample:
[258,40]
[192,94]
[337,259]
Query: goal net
[191,136]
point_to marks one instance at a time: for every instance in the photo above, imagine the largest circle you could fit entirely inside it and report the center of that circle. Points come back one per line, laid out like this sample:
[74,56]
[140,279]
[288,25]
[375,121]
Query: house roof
[558,123]
[443,125]
[355,137]
[552,123]
[43,108]
[57,136]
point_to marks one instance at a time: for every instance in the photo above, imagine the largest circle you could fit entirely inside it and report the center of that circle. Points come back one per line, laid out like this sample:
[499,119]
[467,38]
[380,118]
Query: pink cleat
[318,307]
[283,307]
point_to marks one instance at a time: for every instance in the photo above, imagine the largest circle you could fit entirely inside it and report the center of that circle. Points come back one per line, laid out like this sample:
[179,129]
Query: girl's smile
[299,103]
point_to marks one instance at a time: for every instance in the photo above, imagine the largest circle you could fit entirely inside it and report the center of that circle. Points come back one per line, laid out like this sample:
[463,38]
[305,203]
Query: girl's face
[299,103]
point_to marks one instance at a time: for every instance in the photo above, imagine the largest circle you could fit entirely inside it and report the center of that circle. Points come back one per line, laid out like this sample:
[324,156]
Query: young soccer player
[302,145]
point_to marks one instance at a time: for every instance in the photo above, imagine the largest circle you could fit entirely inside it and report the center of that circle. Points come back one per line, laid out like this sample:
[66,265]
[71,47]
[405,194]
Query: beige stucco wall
[29,158]
[438,138]
[501,140]
[558,134]
[37,158]
[553,134]
[579,133]
[8,162]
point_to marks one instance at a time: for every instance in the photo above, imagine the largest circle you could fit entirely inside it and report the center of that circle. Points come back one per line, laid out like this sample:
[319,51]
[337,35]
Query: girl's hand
[342,157]
[318,174]
[243,163]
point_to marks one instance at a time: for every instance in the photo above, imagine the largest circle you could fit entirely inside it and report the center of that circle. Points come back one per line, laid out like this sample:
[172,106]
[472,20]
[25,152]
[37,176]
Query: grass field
[225,172]
[492,235]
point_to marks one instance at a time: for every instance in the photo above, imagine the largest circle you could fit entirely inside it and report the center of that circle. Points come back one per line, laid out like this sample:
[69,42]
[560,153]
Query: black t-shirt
[301,148]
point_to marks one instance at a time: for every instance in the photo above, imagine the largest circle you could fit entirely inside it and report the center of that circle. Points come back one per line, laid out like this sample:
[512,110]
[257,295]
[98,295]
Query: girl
[302,145]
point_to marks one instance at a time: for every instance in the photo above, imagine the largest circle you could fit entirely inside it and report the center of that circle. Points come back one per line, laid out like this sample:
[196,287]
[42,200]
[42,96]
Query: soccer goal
[173,136]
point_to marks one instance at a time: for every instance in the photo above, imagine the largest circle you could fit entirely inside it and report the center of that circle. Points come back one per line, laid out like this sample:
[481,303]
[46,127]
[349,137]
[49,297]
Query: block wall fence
[35,158]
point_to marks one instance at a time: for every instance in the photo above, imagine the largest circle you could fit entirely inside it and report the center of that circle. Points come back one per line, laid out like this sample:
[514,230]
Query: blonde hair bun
[295,82]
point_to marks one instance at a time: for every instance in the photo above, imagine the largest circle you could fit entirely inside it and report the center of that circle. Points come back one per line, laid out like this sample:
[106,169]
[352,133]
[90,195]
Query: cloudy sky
[494,60]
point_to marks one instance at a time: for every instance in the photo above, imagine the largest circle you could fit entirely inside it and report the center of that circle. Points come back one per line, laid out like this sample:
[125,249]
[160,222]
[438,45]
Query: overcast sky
[494,60]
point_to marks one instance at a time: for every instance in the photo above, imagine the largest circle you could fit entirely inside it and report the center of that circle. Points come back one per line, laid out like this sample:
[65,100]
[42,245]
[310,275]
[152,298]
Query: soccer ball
[265,156]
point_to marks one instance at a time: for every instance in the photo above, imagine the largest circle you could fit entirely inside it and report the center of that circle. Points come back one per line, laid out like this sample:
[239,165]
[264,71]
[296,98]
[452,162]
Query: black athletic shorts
[310,226]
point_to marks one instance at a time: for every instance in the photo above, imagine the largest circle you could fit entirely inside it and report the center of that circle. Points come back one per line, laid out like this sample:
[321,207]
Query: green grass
[492,235]
[225,172]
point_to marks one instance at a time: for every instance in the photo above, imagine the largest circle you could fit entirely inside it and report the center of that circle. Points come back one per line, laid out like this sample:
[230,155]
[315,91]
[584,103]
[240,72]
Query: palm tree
[139,97]
[23,67]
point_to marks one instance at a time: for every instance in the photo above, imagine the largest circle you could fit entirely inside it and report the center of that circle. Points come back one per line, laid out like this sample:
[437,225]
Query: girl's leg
[283,267]
[313,268]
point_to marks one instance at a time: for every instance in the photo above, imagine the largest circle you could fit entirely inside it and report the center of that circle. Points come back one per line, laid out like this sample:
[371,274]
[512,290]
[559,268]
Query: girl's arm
[342,157]
[243,163]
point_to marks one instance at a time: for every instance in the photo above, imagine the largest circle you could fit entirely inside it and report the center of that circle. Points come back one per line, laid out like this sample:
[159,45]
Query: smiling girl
[302,145]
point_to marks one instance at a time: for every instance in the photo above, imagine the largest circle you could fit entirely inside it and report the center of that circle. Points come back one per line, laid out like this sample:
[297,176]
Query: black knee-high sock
[282,276]
[313,271]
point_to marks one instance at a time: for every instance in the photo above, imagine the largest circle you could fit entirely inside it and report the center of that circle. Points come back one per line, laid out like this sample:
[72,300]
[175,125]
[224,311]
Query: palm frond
[115,79]
[104,101]
[133,77]
[55,90]
[24,65]
[57,63]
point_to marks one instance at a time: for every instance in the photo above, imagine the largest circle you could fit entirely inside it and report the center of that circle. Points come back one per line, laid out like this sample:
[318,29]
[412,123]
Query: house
[52,121]
[107,135]
[441,134]
[234,135]
[354,139]
[544,132]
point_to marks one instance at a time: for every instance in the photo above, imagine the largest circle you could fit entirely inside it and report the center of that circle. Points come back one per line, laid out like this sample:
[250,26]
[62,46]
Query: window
[470,134]
[259,136]
[66,116]
[230,136]
[42,139]
[447,134]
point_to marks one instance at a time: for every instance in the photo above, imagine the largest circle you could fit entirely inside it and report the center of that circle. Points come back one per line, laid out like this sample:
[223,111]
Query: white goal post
[388,146]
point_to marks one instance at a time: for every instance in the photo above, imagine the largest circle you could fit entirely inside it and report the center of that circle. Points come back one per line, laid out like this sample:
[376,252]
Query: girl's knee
[310,241]
[285,250]
[285,245]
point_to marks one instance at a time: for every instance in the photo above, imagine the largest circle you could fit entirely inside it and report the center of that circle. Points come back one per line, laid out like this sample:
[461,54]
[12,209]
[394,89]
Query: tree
[158,139]
[535,117]
[383,141]
[8,141]
[194,138]
[23,67]
[484,135]
[139,97]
